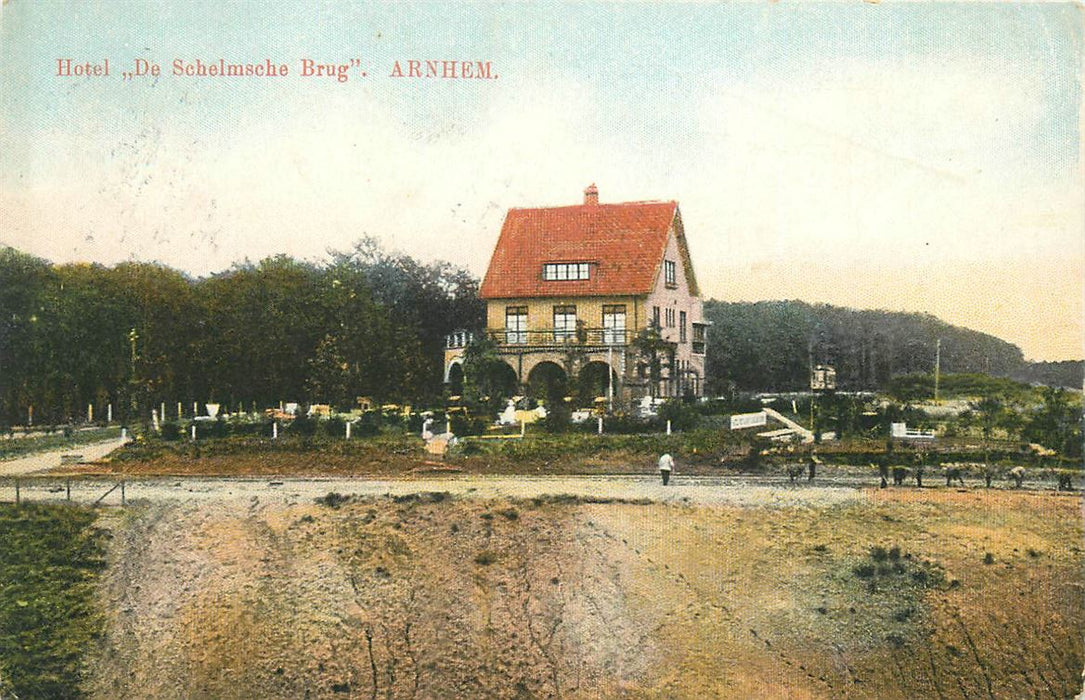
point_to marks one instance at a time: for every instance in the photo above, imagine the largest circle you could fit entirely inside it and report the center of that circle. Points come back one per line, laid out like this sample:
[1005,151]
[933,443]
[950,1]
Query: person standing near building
[666,464]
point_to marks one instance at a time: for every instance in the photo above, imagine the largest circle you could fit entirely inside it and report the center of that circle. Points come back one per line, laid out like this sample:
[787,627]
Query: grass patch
[49,562]
[10,448]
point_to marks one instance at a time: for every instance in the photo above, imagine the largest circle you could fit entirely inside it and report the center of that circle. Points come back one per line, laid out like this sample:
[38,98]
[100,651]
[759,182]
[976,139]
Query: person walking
[666,464]
[811,466]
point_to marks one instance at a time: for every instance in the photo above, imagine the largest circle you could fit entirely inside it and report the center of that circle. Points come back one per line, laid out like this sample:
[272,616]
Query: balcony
[559,338]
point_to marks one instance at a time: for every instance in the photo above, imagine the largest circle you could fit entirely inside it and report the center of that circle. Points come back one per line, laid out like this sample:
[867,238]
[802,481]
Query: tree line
[771,346]
[365,322]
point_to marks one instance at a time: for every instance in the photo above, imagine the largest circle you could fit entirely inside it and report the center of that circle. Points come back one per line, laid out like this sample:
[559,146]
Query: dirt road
[42,461]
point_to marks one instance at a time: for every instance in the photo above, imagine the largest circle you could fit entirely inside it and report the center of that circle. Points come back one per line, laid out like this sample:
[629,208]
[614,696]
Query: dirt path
[693,490]
[42,461]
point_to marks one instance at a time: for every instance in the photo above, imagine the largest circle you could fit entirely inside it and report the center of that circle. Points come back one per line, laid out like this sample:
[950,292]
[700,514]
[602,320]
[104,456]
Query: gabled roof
[625,243]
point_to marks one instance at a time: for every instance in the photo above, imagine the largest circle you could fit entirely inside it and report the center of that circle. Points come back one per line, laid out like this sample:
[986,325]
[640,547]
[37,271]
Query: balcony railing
[581,336]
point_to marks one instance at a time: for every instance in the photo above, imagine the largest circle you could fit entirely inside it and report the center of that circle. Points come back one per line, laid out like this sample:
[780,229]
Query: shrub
[170,431]
[332,499]
[368,425]
[682,416]
[485,558]
[335,427]
[878,553]
[303,425]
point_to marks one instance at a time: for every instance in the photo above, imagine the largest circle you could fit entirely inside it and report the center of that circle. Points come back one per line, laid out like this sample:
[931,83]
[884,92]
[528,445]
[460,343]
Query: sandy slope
[438,597]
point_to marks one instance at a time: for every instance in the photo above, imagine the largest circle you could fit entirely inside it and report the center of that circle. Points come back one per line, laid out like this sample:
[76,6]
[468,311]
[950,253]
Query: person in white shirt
[666,464]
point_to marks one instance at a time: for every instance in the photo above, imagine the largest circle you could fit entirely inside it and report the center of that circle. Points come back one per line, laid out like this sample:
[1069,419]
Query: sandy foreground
[469,586]
[588,588]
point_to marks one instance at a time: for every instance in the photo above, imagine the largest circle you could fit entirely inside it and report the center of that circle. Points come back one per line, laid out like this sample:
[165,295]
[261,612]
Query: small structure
[823,378]
[900,431]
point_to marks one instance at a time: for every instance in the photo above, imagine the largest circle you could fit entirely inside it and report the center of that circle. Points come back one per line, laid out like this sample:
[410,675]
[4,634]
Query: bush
[303,425]
[335,427]
[682,415]
[559,417]
[170,431]
[368,425]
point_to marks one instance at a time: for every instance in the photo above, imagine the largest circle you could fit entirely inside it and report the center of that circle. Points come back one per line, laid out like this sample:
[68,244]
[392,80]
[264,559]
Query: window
[655,317]
[565,271]
[670,273]
[613,324]
[564,323]
[681,326]
[516,325]
[669,316]
[698,338]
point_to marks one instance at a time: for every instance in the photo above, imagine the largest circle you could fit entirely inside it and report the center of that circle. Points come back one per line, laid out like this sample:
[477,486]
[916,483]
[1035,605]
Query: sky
[902,156]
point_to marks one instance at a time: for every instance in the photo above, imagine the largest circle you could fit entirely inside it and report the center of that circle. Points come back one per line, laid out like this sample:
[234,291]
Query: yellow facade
[589,311]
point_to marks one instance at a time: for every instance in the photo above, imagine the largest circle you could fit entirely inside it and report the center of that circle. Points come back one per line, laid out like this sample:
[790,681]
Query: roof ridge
[597,206]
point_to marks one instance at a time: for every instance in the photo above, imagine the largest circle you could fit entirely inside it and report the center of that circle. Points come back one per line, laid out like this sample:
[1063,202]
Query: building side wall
[678,298]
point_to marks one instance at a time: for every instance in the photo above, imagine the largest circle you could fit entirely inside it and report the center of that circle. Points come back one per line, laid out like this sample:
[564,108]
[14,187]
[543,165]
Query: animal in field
[1018,476]
[953,472]
[1064,483]
[794,471]
[899,474]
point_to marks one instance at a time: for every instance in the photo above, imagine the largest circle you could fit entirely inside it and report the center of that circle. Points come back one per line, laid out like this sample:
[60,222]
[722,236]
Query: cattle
[1018,476]
[953,472]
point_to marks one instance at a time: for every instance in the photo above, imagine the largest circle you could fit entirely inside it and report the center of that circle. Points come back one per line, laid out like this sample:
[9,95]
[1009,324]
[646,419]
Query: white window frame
[614,324]
[562,272]
[564,323]
[516,325]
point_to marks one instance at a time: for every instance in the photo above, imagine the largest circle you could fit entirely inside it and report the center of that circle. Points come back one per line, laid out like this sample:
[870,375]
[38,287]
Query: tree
[486,377]
[1057,424]
[656,354]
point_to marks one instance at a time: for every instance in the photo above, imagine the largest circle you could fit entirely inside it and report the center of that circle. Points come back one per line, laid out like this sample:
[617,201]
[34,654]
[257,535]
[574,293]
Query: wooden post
[90,413]
[122,493]
[523,428]
[193,432]
[68,489]
[348,430]
[600,419]
[668,426]
[16,492]
[178,411]
[109,413]
[275,430]
[162,411]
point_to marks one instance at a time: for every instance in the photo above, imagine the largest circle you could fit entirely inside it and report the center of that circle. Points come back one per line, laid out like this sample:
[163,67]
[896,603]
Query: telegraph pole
[937,366]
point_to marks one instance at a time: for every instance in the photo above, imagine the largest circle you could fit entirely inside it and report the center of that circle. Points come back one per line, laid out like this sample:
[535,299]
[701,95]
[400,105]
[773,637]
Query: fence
[87,489]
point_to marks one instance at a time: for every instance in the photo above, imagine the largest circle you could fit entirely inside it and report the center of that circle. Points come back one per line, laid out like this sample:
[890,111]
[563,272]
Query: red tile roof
[625,243]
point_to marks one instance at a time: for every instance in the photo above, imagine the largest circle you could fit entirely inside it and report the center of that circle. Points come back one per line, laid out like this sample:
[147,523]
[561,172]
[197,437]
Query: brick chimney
[591,195]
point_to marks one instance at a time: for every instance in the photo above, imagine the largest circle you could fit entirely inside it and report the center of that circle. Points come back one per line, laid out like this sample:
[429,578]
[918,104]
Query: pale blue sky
[903,147]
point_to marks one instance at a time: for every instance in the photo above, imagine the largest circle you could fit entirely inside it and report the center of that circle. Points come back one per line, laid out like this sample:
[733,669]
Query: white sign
[748,420]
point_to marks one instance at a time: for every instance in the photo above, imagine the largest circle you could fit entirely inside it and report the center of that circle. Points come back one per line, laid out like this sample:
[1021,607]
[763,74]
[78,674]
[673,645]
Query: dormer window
[670,274]
[565,271]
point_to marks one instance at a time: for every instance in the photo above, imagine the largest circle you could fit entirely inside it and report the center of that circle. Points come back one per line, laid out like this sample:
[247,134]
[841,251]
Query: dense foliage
[771,345]
[365,323]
